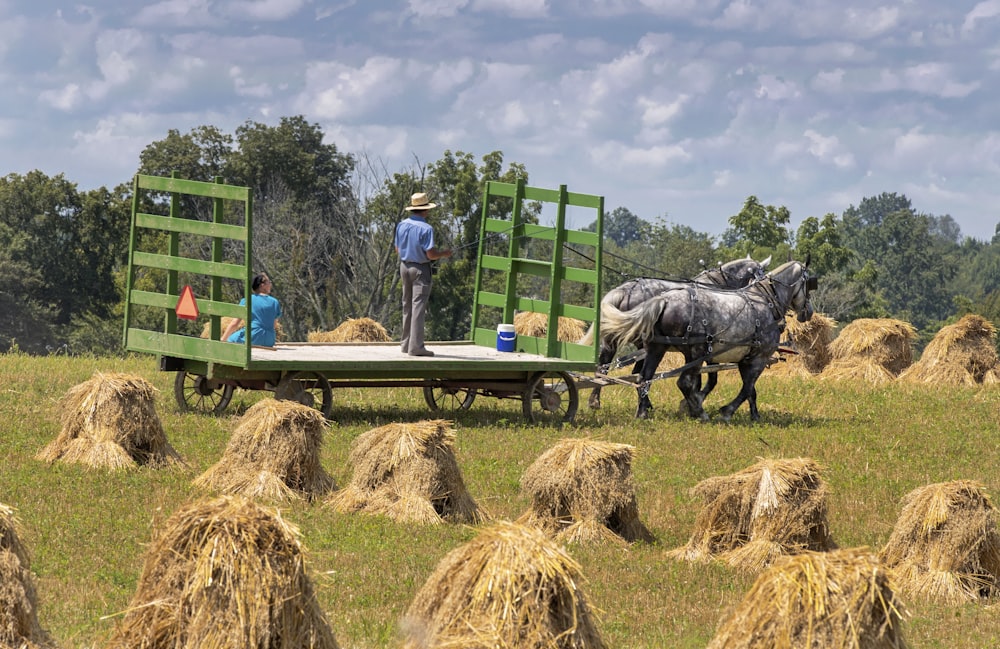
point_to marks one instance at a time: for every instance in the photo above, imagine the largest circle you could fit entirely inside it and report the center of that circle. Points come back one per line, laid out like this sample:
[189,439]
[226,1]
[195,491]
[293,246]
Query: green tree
[915,257]
[303,207]
[822,241]
[758,230]
[68,246]
[669,251]
[623,227]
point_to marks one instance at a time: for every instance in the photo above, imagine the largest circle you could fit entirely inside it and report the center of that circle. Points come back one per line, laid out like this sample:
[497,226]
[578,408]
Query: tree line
[324,222]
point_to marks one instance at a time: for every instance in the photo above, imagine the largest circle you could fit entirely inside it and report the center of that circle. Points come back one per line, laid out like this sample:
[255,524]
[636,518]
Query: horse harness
[687,340]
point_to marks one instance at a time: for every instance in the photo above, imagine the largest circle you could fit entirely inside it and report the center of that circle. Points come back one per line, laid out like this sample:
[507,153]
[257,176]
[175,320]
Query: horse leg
[752,401]
[689,383]
[749,372]
[604,359]
[654,354]
[713,379]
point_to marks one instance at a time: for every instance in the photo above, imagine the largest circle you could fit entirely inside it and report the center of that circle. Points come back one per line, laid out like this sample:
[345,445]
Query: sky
[677,110]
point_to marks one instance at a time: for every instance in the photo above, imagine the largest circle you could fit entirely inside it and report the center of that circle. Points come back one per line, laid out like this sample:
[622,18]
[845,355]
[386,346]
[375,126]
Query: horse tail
[634,325]
[612,298]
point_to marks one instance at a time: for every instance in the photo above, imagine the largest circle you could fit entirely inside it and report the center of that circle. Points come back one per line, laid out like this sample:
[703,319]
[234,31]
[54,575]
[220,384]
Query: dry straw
[963,353]
[874,350]
[582,491]
[527,323]
[110,421]
[19,625]
[352,330]
[274,453]
[945,545]
[811,340]
[754,516]
[409,473]
[817,600]
[224,573]
[510,586]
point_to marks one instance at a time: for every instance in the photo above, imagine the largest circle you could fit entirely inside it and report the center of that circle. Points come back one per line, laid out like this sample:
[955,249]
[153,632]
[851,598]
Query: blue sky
[675,109]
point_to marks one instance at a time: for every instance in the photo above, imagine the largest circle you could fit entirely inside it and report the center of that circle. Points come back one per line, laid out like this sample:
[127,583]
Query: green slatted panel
[557,270]
[168,342]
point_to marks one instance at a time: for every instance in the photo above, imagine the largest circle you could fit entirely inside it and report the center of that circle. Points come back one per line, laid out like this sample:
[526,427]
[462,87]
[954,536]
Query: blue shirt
[264,310]
[414,237]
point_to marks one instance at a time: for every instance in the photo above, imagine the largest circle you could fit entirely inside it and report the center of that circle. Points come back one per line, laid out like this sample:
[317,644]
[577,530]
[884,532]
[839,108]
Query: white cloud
[246,88]
[268,10]
[655,157]
[867,23]
[775,89]
[65,99]
[656,113]
[983,11]
[436,8]
[513,117]
[178,13]
[336,91]
[828,149]
[829,81]
[114,50]
[515,8]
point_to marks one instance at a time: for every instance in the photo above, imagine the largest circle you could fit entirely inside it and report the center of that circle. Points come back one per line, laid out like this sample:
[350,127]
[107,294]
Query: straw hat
[420,202]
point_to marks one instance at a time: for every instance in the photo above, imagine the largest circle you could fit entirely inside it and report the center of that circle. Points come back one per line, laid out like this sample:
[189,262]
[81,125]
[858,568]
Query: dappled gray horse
[711,324]
[732,274]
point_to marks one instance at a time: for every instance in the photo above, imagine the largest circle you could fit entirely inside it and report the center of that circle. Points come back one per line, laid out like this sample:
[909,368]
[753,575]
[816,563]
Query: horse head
[740,272]
[792,282]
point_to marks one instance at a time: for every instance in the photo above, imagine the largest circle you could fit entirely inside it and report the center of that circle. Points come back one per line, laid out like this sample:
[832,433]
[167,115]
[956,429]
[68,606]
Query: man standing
[415,247]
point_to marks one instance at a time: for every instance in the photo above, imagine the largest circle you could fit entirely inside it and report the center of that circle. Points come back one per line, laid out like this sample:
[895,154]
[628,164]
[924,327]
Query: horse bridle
[805,282]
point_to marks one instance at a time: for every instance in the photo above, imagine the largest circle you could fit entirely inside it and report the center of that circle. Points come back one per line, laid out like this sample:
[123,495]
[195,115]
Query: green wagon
[557,269]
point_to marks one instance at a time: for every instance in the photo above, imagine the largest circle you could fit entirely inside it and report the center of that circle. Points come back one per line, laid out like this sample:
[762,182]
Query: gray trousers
[416,279]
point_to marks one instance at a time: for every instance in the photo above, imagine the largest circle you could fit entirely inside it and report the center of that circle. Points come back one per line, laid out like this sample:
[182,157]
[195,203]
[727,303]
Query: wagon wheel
[448,399]
[308,388]
[198,393]
[551,397]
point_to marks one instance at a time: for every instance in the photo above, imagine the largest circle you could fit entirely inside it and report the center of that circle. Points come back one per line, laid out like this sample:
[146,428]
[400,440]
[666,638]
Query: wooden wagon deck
[521,254]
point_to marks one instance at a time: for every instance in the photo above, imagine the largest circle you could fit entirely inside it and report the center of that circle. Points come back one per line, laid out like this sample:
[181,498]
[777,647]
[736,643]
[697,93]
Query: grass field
[86,529]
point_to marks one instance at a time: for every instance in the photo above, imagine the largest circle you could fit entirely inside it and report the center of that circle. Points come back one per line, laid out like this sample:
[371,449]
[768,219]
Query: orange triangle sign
[187,308]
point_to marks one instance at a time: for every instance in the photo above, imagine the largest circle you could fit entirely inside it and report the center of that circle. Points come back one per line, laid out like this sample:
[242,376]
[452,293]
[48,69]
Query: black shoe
[422,352]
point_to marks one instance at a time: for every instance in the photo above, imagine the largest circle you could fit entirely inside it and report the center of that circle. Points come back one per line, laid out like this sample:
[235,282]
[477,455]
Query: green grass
[87,529]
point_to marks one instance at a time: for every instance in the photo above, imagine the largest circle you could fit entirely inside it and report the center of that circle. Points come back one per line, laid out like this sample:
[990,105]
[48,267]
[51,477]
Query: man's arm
[434,253]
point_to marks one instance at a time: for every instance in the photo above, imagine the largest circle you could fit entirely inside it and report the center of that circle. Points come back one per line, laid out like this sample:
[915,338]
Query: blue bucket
[506,338]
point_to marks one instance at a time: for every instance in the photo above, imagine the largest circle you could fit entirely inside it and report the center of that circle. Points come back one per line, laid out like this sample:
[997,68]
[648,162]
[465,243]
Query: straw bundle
[508,587]
[352,330]
[224,573]
[206,331]
[874,350]
[750,518]
[527,323]
[274,453]
[811,340]
[409,473]
[581,490]
[963,353]
[19,625]
[817,600]
[110,421]
[945,545]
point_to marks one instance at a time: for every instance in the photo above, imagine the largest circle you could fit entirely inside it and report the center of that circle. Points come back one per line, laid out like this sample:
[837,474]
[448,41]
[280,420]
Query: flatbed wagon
[521,266]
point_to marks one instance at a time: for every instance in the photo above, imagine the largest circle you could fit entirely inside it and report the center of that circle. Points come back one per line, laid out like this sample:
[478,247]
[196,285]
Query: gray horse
[711,324]
[732,274]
